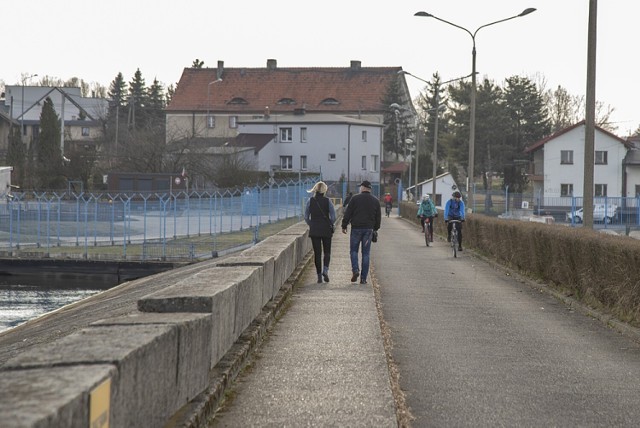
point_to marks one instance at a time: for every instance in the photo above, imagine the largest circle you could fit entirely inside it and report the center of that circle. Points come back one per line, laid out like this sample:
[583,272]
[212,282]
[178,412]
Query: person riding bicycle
[388,202]
[427,210]
[454,210]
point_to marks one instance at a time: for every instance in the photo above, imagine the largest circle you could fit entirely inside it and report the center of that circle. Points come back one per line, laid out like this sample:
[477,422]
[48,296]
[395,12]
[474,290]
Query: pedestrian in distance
[388,203]
[427,210]
[364,215]
[320,216]
[454,210]
[347,199]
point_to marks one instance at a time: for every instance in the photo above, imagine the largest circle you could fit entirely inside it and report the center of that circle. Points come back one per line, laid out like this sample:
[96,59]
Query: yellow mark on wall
[99,403]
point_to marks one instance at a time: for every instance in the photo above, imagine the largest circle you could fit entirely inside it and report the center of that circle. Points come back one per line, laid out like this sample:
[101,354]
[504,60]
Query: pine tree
[197,63]
[16,156]
[396,130]
[138,99]
[48,156]
[156,105]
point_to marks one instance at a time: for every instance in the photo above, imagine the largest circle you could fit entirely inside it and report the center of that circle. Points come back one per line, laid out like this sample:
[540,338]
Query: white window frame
[332,157]
[601,157]
[233,122]
[566,189]
[211,121]
[303,162]
[303,135]
[566,157]
[85,131]
[363,163]
[600,190]
[286,163]
[374,163]
[286,135]
[364,136]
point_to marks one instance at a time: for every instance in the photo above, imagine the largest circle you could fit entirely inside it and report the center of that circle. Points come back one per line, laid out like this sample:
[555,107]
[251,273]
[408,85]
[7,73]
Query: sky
[95,40]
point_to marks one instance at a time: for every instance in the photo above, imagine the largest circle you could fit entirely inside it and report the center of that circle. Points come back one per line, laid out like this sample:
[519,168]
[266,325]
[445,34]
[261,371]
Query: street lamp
[209,102]
[22,115]
[437,109]
[472,120]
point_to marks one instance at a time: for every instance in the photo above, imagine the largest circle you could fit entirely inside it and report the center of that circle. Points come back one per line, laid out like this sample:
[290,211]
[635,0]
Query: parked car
[600,213]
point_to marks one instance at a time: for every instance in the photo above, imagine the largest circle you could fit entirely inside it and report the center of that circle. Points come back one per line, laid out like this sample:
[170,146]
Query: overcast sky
[94,40]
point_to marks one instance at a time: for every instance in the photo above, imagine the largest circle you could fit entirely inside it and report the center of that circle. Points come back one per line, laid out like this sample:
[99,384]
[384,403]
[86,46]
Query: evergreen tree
[156,105]
[48,156]
[137,101]
[396,127]
[16,156]
[197,63]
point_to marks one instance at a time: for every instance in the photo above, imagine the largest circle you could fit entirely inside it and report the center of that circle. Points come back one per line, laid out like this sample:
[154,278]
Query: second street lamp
[472,108]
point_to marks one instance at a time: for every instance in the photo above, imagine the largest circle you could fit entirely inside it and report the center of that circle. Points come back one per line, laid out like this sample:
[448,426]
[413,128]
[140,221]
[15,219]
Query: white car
[599,214]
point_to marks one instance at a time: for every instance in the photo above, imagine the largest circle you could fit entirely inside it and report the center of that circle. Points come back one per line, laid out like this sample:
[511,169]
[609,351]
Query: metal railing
[153,225]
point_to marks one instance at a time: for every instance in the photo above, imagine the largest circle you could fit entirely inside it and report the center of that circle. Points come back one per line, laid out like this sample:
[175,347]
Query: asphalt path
[477,346]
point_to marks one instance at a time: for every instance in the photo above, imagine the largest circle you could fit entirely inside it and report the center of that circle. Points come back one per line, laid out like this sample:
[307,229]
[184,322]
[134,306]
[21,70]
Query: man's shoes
[355,276]
[320,279]
[363,281]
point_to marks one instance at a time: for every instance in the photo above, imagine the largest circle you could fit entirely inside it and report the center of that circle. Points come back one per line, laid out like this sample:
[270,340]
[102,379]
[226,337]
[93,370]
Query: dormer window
[330,102]
[286,101]
[238,100]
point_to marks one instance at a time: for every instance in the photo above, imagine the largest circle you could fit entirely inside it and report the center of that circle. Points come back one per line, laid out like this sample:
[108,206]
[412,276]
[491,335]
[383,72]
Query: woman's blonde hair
[320,187]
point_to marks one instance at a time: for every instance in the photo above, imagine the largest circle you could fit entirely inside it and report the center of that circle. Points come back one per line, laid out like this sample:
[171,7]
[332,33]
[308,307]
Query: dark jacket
[313,215]
[363,212]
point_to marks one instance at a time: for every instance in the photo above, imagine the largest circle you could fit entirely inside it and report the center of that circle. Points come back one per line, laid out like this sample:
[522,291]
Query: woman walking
[320,215]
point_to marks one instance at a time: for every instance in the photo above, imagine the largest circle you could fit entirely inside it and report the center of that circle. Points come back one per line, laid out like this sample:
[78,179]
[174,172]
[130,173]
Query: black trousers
[320,244]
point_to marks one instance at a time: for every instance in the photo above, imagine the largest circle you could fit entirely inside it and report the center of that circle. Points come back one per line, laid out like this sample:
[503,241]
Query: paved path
[324,363]
[476,347]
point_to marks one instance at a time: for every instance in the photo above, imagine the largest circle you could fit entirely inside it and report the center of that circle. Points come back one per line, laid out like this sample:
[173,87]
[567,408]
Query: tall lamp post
[437,109]
[22,115]
[209,102]
[472,108]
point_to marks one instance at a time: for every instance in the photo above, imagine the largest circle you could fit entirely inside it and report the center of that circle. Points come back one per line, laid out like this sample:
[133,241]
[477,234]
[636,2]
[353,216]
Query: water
[21,303]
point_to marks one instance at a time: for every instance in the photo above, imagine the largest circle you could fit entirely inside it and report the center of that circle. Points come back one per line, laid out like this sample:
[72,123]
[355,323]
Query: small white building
[557,172]
[445,185]
[339,147]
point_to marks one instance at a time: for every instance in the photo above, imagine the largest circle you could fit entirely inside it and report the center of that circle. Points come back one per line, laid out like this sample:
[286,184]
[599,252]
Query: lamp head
[527,11]
[424,14]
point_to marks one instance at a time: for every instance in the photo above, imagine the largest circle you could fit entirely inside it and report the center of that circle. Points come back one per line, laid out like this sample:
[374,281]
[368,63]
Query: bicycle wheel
[426,234]
[454,242]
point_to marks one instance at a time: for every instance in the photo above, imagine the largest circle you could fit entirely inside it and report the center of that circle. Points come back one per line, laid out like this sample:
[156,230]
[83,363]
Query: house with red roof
[557,170]
[337,107]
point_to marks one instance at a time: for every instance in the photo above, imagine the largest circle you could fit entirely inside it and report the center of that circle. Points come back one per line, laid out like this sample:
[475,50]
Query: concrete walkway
[324,362]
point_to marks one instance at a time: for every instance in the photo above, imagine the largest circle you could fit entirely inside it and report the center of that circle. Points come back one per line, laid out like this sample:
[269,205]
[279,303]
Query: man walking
[364,214]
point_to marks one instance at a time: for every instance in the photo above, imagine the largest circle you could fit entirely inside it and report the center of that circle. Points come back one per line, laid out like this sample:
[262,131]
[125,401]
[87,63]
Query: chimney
[272,64]
[266,112]
[220,69]
[356,65]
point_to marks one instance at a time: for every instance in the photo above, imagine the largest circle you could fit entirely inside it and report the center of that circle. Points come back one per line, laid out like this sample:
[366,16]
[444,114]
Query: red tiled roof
[250,90]
[398,167]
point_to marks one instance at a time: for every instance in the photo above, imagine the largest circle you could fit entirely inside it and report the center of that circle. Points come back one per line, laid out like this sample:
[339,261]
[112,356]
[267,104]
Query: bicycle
[454,237]
[428,230]
[387,209]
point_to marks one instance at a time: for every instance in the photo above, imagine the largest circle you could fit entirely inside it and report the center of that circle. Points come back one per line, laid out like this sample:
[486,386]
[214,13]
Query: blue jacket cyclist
[454,210]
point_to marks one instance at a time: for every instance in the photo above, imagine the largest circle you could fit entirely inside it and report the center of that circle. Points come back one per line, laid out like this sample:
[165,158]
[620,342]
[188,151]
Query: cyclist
[388,203]
[454,210]
[427,210]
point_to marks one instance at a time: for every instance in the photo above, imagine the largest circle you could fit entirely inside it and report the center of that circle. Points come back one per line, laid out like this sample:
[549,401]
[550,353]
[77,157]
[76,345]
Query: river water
[21,302]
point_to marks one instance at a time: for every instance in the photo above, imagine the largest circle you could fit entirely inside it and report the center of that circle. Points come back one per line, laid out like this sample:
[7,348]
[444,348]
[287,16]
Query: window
[332,156]
[601,157]
[566,190]
[286,135]
[364,162]
[85,131]
[286,101]
[601,189]
[374,163]
[566,157]
[364,135]
[233,122]
[211,121]
[238,100]
[330,102]
[303,135]
[303,163]
[637,190]
[286,162]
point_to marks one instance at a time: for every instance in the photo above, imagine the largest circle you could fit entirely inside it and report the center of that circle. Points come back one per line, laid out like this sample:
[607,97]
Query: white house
[445,185]
[339,147]
[557,171]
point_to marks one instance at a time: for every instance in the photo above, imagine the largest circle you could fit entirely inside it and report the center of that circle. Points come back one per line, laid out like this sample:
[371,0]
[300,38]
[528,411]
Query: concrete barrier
[157,359]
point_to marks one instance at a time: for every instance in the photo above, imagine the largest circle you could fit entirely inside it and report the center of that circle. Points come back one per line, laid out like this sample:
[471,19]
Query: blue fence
[155,220]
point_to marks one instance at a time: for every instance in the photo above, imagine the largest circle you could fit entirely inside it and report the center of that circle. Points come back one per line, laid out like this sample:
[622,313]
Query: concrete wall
[157,359]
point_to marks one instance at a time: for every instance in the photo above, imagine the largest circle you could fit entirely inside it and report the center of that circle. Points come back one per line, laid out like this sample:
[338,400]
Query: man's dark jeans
[360,237]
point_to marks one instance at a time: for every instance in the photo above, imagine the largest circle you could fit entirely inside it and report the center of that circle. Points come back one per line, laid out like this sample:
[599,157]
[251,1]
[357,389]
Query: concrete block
[50,396]
[283,250]
[268,264]
[193,346]
[232,295]
[146,360]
